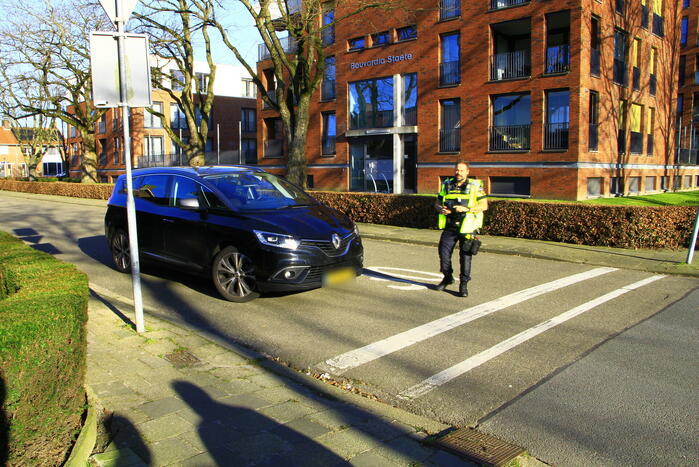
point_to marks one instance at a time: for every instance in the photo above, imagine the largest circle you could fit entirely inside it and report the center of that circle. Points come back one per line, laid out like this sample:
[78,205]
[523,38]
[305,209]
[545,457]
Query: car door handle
[171,221]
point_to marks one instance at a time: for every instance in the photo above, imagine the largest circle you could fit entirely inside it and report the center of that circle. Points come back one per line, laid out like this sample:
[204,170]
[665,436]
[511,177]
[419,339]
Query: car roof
[196,171]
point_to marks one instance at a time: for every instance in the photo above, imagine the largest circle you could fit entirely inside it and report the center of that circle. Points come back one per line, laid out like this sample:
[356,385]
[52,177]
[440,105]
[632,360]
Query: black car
[250,230]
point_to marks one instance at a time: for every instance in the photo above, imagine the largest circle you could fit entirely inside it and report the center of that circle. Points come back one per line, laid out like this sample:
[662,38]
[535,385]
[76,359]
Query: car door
[184,226]
[151,201]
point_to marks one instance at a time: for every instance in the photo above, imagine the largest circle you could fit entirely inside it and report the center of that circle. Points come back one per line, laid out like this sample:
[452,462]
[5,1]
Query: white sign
[104,65]
[127,7]
[381,61]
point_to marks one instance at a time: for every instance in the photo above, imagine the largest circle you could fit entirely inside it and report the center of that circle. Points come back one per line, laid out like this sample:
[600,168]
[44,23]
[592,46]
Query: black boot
[445,282]
[463,289]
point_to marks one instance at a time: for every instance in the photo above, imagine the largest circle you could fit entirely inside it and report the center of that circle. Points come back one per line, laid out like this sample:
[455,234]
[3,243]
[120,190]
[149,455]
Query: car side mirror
[190,204]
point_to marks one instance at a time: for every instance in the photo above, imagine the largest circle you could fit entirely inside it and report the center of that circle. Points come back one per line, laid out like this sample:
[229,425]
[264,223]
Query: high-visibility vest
[471,221]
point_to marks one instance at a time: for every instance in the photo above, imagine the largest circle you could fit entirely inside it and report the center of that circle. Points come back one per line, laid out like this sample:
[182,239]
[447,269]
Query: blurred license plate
[337,276]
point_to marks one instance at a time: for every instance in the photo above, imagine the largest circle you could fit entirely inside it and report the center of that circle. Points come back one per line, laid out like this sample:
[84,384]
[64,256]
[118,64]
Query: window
[249,147]
[328,34]
[177,118]
[371,103]
[449,9]
[329,133]
[594,46]
[153,188]
[511,122]
[636,134]
[558,42]
[511,49]
[680,103]
[202,81]
[248,119]
[644,14]
[273,141]
[594,187]
[685,3]
[150,120]
[117,151]
[153,148]
[406,33]
[650,184]
[184,188]
[687,181]
[249,88]
[198,117]
[410,99]
[497,4]
[380,38]
[650,125]
[658,22]
[593,121]
[327,90]
[449,70]
[616,186]
[684,29]
[450,125]
[557,119]
[177,80]
[636,61]
[50,169]
[652,63]
[621,134]
[634,185]
[620,45]
[102,124]
[682,70]
[510,186]
[357,43]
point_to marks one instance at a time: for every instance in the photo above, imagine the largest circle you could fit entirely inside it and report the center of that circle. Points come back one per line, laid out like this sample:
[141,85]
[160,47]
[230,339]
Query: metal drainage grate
[479,447]
[182,358]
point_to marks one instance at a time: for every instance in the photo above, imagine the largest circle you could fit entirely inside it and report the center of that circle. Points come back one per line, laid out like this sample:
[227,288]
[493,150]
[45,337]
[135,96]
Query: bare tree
[45,66]
[298,61]
[175,29]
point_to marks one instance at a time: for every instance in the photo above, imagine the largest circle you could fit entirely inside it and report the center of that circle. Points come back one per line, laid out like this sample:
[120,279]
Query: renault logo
[335,238]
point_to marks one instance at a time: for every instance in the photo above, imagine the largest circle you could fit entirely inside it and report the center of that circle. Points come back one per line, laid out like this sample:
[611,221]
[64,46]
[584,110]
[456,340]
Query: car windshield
[259,190]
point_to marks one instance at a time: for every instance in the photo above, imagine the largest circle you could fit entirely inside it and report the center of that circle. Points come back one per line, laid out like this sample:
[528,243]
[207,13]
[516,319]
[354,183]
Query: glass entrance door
[371,164]
[357,155]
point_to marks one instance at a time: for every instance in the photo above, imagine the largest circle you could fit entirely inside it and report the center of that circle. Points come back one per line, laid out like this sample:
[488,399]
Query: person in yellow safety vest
[460,205]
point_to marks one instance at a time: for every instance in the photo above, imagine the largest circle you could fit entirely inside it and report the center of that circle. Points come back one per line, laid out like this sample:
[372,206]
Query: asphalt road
[488,358]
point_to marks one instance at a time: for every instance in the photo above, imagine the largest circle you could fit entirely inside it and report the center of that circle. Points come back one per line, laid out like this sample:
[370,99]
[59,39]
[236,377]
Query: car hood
[315,222]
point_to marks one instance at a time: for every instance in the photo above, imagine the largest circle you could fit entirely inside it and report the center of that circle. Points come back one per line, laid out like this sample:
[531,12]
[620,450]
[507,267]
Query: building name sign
[381,61]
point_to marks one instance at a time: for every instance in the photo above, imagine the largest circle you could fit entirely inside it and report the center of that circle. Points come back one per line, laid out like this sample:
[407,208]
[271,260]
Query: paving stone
[404,450]
[259,447]
[381,430]
[171,450]
[347,443]
[123,402]
[335,420]
[164,427]
[266,380]
[247,401]
[123,457]
[153,362]
[220,456]
[306,428]
[209,351]
[287,411]
[209,435]
[227,359]
[372,459]
[201,379]
[282,394]
[160,348]
[445,459]
[241,372]
[161,407]
[159,334]
[312,454]
[115,388]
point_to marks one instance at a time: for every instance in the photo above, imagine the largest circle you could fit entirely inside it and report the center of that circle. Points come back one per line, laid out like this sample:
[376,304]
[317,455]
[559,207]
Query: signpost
[124,85]
[693,240]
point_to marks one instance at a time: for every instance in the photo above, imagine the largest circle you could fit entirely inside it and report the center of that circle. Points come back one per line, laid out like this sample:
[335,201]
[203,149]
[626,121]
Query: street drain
[479,447]
[181,358]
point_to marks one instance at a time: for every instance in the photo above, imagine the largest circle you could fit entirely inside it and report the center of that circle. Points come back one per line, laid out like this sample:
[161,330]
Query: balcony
[273,148]
[636,78]
[558,59]
[556,135]
[510,138]
[636,142]
[644,16]
[449,73]
[288,43]
[449,9]
[658,25]
[593,139]
[649,145]
[620,73]
[652,85]
[327,90]
[449,140]
[594,62]
[498,4]
[510,65]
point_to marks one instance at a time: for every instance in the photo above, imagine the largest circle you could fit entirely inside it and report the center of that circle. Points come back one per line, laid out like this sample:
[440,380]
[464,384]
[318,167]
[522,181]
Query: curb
[85,444]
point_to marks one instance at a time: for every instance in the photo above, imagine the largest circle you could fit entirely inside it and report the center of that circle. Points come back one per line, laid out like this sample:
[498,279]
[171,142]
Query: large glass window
[177,117]
[620,45]
[406,33]
[410,99]
[177,80]
[557,119]
[328,27]
[449,66]
[636,134]
[371,103]
[684,30]
[593,119]
[449,9]
[249,118]
[511,122]
[153,148]
[328,86]
[249,147]
[329,133]
[150,120]
[450,125]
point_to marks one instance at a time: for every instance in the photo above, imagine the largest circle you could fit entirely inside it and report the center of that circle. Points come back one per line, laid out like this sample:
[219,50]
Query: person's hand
[445,211]
[460,208]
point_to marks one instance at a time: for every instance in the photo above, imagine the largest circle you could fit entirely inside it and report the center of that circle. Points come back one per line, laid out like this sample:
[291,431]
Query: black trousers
[447,242]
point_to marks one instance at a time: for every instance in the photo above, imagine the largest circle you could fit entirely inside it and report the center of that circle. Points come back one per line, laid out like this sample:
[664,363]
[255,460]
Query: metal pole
[218,145]
[130,205]
[179,153]
[240,142]
[693,241]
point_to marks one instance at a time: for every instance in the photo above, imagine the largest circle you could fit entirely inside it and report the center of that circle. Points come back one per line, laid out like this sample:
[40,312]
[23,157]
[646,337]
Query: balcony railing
[644,16]
[649,145]
[273,148]
[497,4]
[621,141]
[449,73]
[620,73]
[556,135]
[410,116]
[558,59]
[636,142]
[652,85]
[593,139]
[594,62]
[449,140]
[328,146]
[636,78]
[510,138]
[449,9]
[288,43]
[658,25]
[327,90]
[510,65]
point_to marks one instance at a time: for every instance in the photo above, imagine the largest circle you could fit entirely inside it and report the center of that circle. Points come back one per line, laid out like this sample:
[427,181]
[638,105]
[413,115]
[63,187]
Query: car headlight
[356,230]
[278,240]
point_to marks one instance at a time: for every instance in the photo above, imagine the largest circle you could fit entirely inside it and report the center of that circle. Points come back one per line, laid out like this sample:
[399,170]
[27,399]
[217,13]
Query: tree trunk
[296,140]
[88,164]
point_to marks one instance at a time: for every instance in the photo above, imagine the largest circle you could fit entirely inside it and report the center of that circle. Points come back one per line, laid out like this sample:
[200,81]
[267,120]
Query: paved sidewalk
[180,399]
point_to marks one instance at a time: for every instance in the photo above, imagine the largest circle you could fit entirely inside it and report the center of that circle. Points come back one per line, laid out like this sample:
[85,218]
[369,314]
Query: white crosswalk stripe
[470,363]
[370,352]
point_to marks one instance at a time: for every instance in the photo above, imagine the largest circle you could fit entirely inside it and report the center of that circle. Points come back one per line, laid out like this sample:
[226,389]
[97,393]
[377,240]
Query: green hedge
[42,353]
[597,225]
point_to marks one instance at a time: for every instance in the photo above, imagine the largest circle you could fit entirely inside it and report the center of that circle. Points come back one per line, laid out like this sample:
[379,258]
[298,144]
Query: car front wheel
[234,275]
[120,251]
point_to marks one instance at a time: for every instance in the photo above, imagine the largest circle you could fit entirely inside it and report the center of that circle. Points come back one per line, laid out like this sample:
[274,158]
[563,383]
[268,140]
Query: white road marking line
[470,363]
[370,352]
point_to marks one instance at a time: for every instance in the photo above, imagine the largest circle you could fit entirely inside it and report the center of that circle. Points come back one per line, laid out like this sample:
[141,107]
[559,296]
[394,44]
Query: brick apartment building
[565,99]
[688,114]
[13,163]
[231,139]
